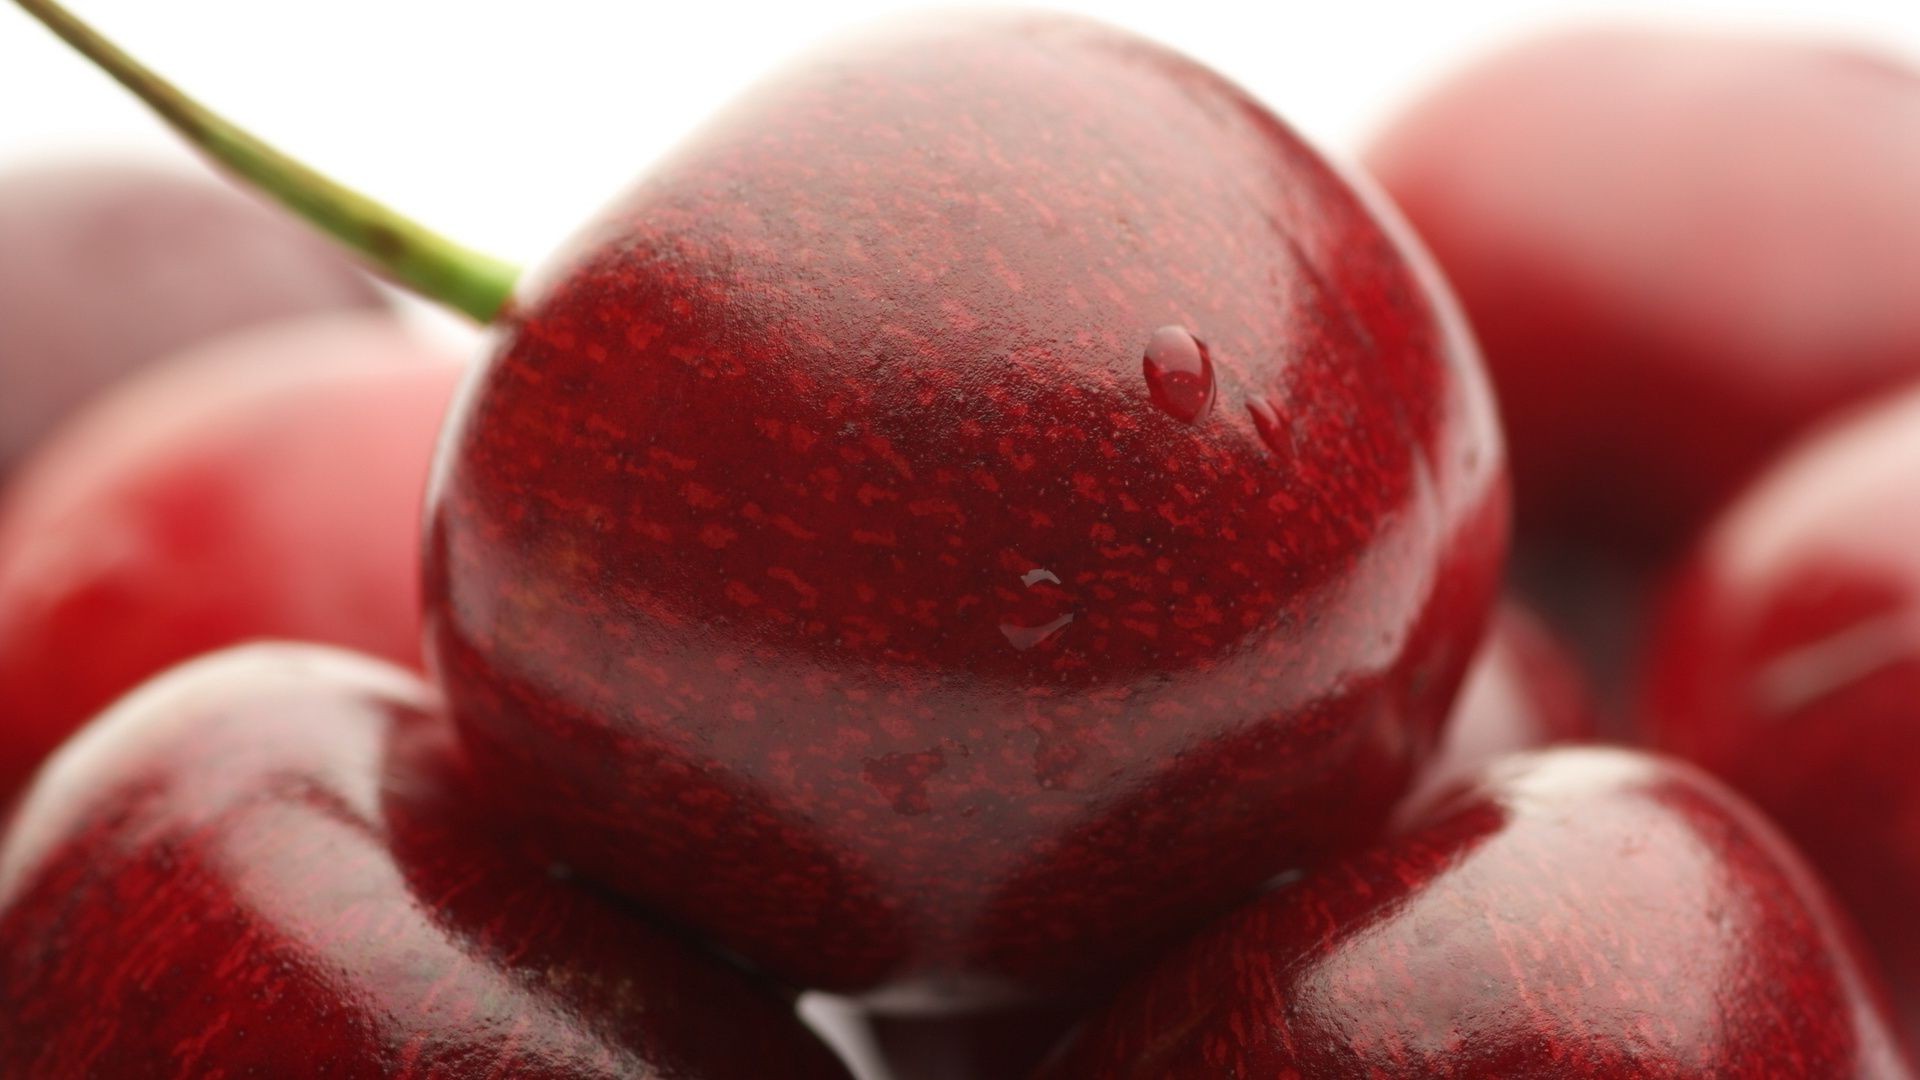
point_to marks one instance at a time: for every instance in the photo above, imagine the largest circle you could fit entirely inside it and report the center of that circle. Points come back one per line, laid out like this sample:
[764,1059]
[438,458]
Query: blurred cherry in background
[267,485]
[1789,663]
[106,266]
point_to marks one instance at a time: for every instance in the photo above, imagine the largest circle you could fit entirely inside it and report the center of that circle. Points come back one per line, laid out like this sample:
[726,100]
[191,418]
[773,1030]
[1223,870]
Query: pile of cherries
[996,529]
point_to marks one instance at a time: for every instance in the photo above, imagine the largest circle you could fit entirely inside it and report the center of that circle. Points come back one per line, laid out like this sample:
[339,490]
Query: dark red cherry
[864,545]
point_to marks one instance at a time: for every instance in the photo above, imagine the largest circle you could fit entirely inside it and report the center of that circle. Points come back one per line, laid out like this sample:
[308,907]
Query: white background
[507,124]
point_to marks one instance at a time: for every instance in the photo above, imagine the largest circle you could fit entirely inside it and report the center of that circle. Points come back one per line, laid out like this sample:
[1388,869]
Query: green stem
[401,249]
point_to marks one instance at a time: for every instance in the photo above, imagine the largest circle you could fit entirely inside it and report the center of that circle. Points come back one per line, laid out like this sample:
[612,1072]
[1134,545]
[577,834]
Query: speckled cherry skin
[1677,250]
[107,265]
[263,485]
[811,560]
[1787,660]
[1524,691]
[266,864]
[1573,914]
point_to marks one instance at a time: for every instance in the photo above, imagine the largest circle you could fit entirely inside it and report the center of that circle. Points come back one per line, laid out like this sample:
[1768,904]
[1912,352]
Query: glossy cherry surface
[266,864]
[1788,661]
[1677,252]
[1575,913]
[106,266]
[988,501]
[265,485]
[1524,691]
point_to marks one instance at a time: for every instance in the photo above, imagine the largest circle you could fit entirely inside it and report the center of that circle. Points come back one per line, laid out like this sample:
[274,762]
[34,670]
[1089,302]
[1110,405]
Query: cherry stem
[399,248]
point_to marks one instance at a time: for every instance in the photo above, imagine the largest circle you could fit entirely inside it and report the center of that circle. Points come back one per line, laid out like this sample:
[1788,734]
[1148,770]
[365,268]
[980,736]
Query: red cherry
[1677,250]
[266,864]
[841,553]
[105,267]
[265,485]
[1577,914]
[1788,662]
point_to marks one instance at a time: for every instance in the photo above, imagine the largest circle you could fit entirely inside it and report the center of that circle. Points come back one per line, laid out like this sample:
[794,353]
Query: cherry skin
[1575,913]
[1787,660]
[266,864]
[264,485]
[1677,250]
[1524,691]
[105,267]
[985,504]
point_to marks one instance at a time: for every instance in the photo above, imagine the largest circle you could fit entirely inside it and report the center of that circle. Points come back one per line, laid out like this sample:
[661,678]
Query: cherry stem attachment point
[399,248]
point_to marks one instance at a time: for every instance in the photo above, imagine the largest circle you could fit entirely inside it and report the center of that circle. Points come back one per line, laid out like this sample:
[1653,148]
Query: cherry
[267,484]
[987,503]
[1678,251]
[266,864]
[1787,661]
[1575,913]
[106,266]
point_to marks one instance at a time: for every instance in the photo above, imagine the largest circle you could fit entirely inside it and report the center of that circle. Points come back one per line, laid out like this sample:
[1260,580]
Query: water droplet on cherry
[1179,374]
[1026,637]
[1269,425]
[1042,614]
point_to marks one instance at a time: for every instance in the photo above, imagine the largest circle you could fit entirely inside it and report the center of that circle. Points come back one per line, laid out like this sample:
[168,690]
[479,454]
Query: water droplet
[1026,637]
[1041,615]
[1271,428]
[1179,374]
